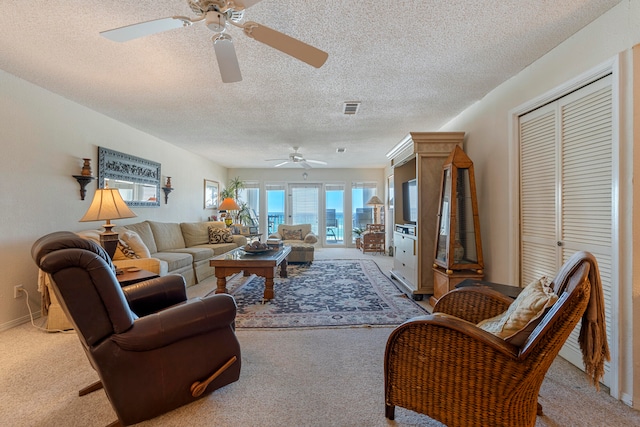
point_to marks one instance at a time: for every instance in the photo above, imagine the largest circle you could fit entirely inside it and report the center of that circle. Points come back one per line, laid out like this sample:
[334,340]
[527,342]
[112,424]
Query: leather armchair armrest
[473,304]
[194,317]
[156,294]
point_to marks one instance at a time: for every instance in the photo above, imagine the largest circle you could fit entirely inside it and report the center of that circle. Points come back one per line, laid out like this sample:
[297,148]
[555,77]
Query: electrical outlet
[17,291]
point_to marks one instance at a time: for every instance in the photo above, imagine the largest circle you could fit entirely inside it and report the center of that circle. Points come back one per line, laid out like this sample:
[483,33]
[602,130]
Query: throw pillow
[288,234]
[134,241]
[220,235]
[310,238]
[528,306]
[126,251]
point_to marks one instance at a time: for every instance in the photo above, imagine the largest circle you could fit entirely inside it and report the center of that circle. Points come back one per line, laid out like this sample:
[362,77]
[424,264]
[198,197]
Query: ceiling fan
[296,158]
[216,14]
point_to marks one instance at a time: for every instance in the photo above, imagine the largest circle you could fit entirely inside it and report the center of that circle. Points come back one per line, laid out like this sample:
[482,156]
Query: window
[334,215]
[362,214]
[275,206]
[250,195]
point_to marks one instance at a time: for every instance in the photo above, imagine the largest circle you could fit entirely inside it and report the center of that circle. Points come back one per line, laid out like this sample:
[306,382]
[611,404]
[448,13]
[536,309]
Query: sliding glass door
[304,204]
[275,206]
[334,214]
[362,214]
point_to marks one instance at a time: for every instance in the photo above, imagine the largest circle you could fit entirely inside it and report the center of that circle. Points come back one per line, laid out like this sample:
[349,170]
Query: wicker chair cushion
[528,307]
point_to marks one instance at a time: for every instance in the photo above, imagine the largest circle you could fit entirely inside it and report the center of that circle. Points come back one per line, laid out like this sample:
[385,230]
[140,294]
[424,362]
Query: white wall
[610,37]
[43,138]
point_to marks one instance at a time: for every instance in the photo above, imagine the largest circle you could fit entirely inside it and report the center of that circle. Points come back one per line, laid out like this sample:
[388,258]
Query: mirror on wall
[137,179]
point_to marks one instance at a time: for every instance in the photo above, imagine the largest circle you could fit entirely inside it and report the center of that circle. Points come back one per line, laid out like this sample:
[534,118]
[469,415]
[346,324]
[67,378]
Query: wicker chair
[449,369]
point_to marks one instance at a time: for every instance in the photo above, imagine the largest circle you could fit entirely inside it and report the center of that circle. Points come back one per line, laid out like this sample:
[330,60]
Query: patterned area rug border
[326,294]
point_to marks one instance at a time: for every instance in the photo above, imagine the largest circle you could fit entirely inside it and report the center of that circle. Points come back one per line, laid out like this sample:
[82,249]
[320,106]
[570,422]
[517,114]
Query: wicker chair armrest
[442,325]
[473,304]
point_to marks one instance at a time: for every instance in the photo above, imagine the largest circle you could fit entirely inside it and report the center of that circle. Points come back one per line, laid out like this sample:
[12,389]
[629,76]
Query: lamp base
[109,240]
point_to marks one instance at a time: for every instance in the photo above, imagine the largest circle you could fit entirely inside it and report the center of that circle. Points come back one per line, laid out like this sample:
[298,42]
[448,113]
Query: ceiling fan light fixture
[216,21]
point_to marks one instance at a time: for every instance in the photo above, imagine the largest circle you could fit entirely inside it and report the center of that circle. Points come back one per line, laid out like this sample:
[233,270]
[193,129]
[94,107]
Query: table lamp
[228,204]
[375,202]
[107,204]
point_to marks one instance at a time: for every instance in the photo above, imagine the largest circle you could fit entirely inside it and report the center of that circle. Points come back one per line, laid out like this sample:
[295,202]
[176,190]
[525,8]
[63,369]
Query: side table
[510,291]
[130,277]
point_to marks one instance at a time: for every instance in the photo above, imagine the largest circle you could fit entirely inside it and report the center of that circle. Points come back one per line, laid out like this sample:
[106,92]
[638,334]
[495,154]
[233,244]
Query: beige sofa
[300,238]
[170,248]
[184,247]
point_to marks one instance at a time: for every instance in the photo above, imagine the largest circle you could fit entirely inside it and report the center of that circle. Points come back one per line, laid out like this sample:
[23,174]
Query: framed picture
[211,194]
[244,230]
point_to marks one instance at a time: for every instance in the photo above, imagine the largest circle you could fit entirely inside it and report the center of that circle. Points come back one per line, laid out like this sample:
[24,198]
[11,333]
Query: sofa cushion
[144,231]
[175,260]
[220,235]
[198,253]
[529,306]
[220,248]
[197,233]
[168,235]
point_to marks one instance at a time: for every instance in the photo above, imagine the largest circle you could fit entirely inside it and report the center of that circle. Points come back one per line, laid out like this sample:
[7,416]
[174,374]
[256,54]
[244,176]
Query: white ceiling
[414,65]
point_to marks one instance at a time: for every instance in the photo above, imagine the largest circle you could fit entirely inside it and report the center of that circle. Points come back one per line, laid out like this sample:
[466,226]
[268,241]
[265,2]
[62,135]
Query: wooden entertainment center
[420,157]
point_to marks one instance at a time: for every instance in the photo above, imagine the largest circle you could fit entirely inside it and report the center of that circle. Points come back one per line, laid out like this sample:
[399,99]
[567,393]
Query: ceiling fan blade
[134,31]
[318,162]
[284,43]
[243,4]
[304,164]
[227,59]
[281,164]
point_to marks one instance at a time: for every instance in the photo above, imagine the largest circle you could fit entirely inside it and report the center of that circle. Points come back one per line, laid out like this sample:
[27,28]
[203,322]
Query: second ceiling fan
[216,14]
[296,158]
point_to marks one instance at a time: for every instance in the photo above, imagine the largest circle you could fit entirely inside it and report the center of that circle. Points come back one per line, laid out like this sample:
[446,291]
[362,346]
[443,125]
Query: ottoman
[300,252]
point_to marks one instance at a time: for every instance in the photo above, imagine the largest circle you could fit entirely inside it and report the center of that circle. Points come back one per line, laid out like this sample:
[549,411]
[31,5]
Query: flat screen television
[410,201]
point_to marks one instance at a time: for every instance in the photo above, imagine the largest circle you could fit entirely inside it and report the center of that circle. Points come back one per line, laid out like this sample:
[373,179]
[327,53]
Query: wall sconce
[84,178]
[167,189]
[305,176]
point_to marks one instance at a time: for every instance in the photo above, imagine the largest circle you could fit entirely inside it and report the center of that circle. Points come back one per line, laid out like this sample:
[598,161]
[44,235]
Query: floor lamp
[375,202]
[107,204]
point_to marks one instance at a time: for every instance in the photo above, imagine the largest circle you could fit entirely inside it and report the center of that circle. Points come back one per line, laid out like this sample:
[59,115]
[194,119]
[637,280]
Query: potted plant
[358,232]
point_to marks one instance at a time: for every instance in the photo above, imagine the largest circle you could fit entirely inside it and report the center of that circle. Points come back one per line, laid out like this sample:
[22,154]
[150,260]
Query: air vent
[340,150]
[351,107]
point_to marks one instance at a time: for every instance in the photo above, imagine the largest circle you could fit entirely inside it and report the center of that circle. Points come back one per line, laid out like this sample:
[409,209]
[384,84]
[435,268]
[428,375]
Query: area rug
[335,293]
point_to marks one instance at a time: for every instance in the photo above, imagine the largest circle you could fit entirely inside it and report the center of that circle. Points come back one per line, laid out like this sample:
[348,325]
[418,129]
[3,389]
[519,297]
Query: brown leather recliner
[153,349]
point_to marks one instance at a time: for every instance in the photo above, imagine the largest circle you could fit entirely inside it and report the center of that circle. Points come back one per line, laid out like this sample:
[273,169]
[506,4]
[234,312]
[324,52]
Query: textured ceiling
[414,65]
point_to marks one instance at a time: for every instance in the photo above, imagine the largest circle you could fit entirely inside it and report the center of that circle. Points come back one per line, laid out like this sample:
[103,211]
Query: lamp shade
[107,204]
[375,201]
[228,204]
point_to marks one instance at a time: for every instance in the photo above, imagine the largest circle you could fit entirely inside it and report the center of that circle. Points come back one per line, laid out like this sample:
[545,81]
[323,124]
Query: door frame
[612,67]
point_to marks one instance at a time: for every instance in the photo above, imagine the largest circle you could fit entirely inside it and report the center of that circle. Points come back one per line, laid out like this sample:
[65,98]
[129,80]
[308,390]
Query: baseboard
[17,322]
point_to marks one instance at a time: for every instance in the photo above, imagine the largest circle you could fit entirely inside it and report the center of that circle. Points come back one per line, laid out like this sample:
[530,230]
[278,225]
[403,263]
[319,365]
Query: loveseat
[179,248]
[301,239]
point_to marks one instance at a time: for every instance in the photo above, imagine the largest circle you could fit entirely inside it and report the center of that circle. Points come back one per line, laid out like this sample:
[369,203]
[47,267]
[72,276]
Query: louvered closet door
[566,190]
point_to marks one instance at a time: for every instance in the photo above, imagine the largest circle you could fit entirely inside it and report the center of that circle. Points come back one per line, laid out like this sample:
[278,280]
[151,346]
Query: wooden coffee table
[263,265]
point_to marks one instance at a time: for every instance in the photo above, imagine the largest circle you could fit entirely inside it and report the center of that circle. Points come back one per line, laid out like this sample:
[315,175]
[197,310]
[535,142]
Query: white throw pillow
[528,306]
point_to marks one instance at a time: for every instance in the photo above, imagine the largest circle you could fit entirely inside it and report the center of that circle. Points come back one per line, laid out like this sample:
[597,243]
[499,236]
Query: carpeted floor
[327,293]
[290,377]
